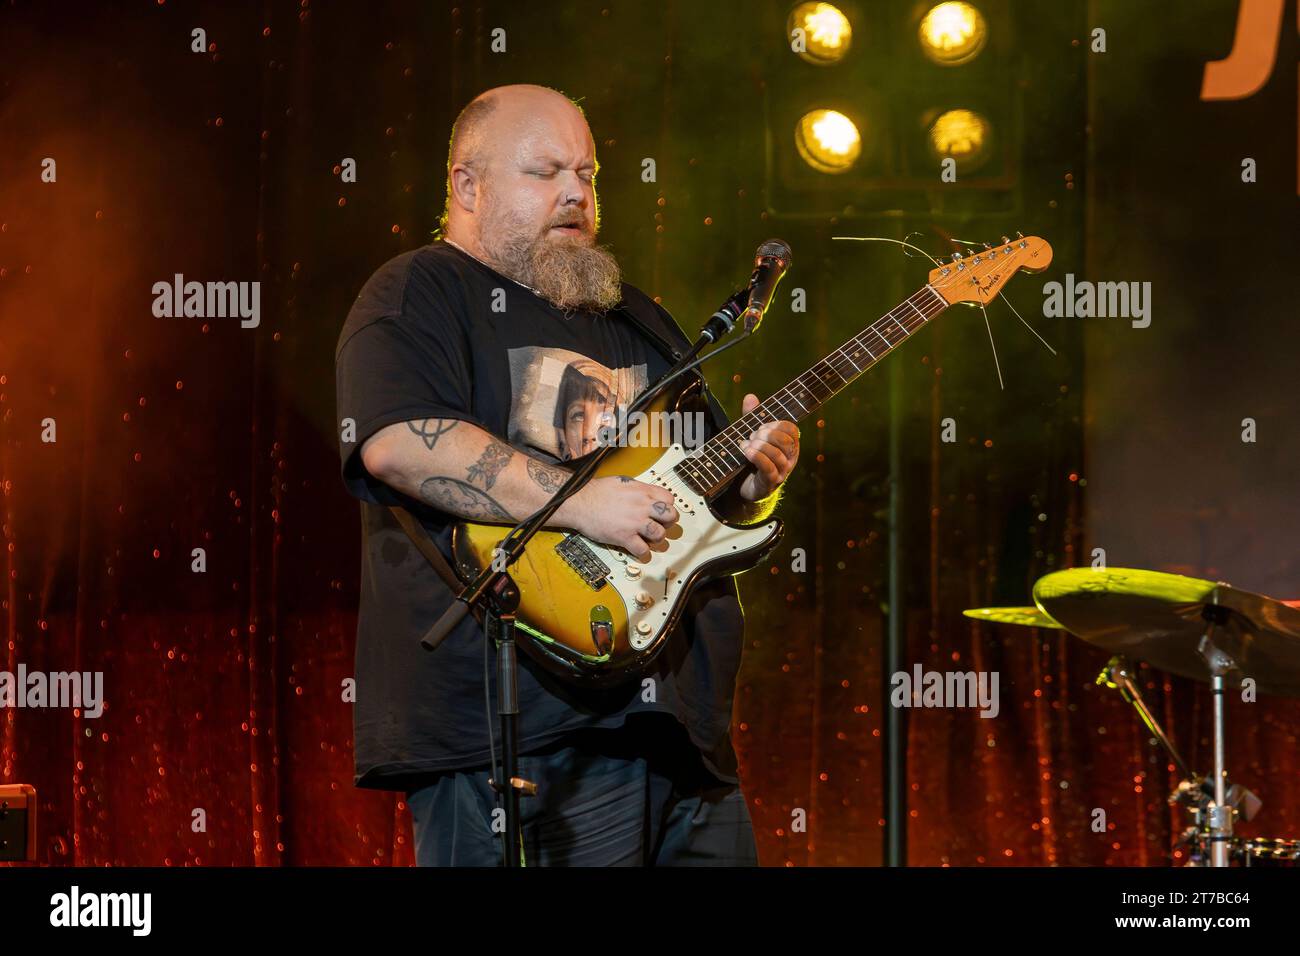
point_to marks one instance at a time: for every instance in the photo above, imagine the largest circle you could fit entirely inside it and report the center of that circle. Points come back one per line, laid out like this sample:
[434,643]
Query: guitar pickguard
[652,591]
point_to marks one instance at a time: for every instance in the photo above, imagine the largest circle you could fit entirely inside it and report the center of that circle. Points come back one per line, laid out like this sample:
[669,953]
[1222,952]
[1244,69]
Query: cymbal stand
[1221,813]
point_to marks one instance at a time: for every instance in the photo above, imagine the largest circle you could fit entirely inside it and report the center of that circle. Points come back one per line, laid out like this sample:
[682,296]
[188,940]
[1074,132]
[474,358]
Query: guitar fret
[785,412]
[728,454]
[829,391]
[830,367]
[712,467]
[722,457]
[842,356]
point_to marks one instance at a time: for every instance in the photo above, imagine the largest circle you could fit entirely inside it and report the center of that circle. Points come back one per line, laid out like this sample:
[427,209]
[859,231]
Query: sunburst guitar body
[596,613]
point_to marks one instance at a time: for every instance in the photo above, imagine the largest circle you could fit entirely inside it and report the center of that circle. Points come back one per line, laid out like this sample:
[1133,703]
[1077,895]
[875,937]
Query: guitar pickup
[573,549]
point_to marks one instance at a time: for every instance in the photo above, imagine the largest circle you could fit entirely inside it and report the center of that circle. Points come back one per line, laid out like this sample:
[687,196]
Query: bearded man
[471,368]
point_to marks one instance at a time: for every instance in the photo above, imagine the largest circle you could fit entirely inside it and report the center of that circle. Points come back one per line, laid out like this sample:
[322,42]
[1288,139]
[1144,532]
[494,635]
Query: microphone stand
[497,592]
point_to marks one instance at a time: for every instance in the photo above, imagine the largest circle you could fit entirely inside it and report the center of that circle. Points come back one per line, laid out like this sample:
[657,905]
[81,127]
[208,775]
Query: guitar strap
[669,351]
[425,545]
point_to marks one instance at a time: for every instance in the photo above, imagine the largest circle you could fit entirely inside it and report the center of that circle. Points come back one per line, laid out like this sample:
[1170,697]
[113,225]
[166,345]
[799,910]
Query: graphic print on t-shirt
[561,399]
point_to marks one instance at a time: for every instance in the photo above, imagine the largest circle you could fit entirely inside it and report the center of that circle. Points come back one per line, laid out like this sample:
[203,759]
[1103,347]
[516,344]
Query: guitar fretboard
[709,468]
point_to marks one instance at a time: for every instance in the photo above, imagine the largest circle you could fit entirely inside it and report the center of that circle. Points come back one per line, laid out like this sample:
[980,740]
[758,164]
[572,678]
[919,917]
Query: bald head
[468,141]
[507,124]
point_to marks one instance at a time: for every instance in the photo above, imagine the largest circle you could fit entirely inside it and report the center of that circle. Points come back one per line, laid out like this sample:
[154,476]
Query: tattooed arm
[459,468]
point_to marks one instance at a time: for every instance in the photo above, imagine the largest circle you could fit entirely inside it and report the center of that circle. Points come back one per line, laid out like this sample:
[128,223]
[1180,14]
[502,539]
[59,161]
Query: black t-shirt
[437,334]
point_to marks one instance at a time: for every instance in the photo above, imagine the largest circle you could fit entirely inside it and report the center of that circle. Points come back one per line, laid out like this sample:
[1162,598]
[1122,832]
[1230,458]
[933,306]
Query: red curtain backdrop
[225,738]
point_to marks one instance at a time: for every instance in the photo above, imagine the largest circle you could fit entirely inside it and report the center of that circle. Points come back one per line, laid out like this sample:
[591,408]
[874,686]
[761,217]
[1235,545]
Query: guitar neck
[712,466]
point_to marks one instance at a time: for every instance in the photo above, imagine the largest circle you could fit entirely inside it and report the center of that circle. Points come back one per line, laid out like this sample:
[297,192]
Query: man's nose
[574,194]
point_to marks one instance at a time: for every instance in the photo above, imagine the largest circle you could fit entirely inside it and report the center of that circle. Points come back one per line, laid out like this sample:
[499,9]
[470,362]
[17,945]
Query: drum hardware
[1206,630]
[1261,852]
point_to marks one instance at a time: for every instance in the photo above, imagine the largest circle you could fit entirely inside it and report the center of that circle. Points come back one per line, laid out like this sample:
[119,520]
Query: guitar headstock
[980,276]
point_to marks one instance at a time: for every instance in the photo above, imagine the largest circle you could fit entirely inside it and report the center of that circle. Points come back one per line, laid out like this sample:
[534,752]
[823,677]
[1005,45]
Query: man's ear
[465,186]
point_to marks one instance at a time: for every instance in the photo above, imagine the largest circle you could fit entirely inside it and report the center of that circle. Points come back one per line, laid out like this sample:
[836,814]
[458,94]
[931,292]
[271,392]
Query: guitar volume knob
[633,571]
[644,599]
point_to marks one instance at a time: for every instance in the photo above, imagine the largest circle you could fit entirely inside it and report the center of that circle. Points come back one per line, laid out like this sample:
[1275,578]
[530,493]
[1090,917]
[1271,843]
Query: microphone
[770,262]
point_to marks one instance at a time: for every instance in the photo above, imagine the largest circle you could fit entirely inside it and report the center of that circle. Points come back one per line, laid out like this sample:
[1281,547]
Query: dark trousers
[637,795]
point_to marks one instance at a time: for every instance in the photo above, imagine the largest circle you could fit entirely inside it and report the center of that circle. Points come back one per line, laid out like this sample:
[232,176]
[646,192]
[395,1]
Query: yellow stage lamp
[819,32]
[963,135]
[828,141]
[953,33]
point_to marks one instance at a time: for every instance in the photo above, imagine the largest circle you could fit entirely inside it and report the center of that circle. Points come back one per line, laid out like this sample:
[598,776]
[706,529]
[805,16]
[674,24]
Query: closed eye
[586,175]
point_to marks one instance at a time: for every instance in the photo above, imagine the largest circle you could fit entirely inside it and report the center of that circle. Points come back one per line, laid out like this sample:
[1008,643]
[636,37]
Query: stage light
[827,32]
[953,33]
[963,135]
[828,141]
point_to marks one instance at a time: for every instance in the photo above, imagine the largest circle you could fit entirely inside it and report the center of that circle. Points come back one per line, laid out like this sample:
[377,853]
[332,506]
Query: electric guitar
[594,614]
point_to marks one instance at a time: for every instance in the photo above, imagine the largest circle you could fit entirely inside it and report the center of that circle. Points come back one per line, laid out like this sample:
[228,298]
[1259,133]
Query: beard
[569,273]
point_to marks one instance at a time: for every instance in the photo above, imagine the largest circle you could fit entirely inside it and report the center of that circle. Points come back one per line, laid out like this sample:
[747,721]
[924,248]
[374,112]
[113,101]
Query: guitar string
[776,397]
[1003,297]
[955,279]
[780,398]
[729,435]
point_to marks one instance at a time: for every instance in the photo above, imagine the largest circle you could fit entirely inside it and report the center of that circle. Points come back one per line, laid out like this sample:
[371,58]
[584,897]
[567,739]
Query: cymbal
[1023,616]
[1160,618]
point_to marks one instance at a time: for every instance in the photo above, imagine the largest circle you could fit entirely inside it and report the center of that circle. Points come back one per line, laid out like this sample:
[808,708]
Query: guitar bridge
[578,556]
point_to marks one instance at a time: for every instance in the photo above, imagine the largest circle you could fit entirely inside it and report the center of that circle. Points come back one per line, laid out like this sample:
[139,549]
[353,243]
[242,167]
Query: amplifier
[17,823]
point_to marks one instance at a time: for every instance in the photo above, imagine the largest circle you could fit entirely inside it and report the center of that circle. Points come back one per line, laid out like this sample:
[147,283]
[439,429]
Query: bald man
[473,369]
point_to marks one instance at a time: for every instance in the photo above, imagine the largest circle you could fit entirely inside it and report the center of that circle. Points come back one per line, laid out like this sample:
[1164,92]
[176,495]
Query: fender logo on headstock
[978,279]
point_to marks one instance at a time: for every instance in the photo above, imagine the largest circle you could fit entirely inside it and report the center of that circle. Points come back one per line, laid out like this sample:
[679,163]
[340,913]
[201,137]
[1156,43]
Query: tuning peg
[956,257]
[1020,235]
[1005,240]
[987,246]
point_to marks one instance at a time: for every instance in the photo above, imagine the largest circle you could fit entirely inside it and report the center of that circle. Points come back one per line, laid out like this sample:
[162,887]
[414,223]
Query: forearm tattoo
[458,498]
[494,458]
[431,429]
[547,477]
